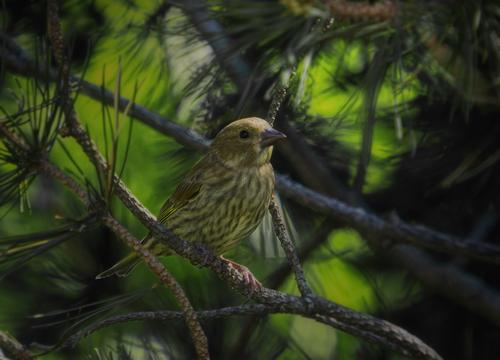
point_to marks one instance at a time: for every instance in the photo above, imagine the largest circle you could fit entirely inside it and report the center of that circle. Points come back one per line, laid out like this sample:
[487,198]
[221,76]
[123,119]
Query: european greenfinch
[223,198]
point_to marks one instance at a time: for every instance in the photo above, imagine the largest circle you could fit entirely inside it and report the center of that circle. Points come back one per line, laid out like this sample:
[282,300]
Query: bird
[222,199]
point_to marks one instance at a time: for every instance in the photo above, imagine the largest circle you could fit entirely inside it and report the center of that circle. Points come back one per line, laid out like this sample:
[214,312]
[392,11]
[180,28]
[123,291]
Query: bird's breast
[228,208]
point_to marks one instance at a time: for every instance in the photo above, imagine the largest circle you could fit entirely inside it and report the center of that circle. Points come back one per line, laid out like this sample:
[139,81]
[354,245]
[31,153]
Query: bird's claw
[250,280]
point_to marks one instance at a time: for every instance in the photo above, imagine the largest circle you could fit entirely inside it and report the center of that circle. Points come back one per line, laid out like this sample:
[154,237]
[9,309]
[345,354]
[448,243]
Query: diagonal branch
[13,348]
[189,314]
[382,230]
[450,282]
[289,248]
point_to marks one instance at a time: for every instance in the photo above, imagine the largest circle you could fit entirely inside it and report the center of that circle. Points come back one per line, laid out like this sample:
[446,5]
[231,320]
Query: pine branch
[365,326]
[206,315]
[385,232]
[275,280]
[153,263]
[168,315]
[289,248]
[450,282]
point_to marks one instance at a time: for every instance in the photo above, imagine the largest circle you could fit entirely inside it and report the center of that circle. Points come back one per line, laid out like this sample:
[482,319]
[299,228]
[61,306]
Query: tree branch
[241,310]
[167,315]
[289,248]
[384,231]
[450,282]
[14,348]
[276,279]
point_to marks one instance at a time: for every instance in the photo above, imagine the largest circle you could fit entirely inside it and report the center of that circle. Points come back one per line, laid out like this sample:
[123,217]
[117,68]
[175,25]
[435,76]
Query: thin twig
[278,223]
[289,248]
[167,315]
[278,98]
[275,280]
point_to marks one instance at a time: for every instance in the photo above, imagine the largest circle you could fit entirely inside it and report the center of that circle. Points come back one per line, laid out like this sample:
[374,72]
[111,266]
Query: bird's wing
[187,190]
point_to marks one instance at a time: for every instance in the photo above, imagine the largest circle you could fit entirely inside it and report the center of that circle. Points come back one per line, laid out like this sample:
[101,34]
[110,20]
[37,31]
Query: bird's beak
[270,136]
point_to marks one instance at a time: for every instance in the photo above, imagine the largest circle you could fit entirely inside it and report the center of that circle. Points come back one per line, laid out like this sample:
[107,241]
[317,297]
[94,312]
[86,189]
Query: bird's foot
[248,277]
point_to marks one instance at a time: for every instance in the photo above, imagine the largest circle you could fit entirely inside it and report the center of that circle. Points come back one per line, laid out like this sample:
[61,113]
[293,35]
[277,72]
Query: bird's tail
[122,268]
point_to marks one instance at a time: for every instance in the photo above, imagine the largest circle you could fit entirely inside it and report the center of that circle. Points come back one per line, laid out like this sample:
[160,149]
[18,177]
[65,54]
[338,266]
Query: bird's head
[246,142]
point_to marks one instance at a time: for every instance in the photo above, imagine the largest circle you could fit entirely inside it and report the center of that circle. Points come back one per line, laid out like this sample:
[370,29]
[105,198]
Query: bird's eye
[244,134]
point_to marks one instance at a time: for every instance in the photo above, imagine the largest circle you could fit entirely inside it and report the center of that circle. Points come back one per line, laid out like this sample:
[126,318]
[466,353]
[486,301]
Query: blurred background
[393,106]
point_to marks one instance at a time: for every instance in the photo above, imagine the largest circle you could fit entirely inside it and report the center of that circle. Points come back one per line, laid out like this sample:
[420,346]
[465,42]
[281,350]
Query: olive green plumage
[224,197]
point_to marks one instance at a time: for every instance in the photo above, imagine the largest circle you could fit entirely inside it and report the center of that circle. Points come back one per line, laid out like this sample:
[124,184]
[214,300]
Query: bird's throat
[265,155]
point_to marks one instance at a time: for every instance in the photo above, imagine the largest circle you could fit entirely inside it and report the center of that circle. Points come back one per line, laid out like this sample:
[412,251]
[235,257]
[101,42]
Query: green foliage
[428,80]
